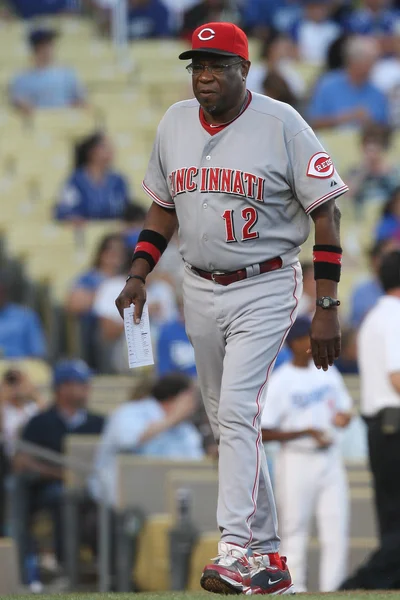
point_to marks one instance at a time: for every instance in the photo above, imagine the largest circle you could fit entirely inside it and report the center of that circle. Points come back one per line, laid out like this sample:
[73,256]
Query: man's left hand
[325,337]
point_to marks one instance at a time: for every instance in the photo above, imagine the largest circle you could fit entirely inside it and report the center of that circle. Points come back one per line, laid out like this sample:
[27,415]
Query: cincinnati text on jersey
[217,179]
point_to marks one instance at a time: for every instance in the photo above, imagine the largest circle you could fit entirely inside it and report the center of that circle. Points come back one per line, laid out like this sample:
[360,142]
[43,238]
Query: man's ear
[245,68]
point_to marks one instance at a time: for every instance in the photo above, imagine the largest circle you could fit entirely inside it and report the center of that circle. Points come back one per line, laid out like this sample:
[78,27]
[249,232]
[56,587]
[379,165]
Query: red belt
[227,278]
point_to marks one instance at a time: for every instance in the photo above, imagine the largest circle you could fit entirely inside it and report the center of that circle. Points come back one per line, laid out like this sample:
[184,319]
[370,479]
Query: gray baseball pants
[237,332]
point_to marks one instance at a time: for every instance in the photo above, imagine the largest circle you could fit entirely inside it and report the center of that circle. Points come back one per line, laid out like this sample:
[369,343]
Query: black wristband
[150,246]
[327,262]
[327,248]
[153,237]
[142,279]
[325,270]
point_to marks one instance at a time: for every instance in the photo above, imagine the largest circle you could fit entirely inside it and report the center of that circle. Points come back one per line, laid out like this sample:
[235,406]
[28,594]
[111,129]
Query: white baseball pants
[308,483]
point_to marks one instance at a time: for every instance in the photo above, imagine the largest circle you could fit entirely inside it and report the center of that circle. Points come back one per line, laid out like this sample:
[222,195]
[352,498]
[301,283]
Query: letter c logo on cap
[205,38]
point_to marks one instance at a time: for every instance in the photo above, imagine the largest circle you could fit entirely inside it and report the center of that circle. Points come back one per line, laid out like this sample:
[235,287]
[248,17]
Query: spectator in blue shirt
[285,354]
[346,97]
[389,225]
[48,430]
[46,84]
[259,16]
[132,223]
[148,19]
[375,178]
[376,18]
[367,293]
[110,260]
[21,332]
[27,9]
[174,351]
[154,423]
[94,191]
[314,31]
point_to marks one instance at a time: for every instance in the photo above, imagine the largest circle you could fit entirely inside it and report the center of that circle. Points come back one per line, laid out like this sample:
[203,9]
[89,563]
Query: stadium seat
[66,123]
[155,52]
[142,482]
[343,147]
[153,575]
[308,72]
[142,486]
[203,489]
[81,450]
[9,571]
[205,549]
[40,235]
[37,370]
[111,381]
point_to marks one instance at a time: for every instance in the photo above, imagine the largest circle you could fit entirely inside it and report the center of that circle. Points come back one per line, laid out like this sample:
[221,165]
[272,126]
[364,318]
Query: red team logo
[320,165]
[225,181]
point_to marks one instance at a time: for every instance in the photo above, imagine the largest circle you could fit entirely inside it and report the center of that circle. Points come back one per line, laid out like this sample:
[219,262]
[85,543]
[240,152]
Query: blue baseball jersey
[174,351]
[83,198]
[365,22]
[152,20]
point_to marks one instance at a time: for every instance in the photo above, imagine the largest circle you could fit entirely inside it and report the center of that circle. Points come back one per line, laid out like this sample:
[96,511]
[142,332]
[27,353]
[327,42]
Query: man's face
[74,394]
[218,91]
[15,387]
[389,246]
[363,63]
[300,346]
[317,11]
[44,52]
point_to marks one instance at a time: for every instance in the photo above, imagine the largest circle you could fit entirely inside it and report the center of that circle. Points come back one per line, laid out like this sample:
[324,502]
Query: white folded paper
[138,339]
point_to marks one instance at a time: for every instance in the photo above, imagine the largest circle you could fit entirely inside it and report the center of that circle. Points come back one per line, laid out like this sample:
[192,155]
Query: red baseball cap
[225,39]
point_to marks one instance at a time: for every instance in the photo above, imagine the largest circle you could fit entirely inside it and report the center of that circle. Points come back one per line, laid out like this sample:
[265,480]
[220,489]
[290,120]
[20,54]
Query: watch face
[326,303]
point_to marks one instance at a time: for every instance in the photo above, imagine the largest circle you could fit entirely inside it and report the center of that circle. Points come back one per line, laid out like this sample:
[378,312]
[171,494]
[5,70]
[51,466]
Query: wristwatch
[327,302]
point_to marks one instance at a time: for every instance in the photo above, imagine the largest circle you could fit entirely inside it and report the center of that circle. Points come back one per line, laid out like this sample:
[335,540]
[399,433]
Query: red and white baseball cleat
[269,575]
[230,571]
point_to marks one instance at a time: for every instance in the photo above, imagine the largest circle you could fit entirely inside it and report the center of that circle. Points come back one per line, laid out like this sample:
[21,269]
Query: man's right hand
[134,292]
[322,439]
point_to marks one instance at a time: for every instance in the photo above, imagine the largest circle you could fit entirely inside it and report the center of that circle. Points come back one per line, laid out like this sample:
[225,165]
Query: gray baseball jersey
[244,194]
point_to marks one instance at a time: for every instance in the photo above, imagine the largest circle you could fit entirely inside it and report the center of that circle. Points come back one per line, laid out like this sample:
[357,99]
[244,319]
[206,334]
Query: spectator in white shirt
[379,363]
[315,31]
[278,54]
[161,301]
[151,424]
[19,401]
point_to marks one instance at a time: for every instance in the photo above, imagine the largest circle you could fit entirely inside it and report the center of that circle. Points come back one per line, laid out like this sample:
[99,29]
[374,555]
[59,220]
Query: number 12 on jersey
[250,217]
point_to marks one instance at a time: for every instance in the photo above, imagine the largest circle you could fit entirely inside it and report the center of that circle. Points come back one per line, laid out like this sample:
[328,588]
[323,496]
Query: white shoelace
[229,554]
[257,564]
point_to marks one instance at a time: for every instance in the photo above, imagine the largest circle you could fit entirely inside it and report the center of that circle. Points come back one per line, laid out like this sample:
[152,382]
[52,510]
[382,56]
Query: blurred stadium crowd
[82,92]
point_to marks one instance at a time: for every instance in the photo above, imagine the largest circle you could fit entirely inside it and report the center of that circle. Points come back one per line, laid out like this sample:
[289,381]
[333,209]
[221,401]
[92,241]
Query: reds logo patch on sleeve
[320,165]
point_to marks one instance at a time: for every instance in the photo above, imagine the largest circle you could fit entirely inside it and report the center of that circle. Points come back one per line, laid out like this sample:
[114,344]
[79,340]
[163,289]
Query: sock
[275,560]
